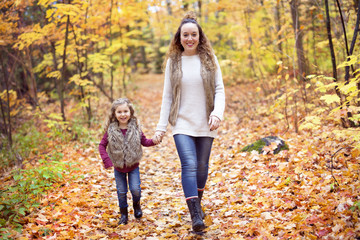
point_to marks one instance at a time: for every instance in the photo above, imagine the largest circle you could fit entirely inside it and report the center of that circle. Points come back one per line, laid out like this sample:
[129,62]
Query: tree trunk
[347,68]
[7,124]
[356,5]
[168,7]
[278,28]
[303,71]
[350,52]
[295,114]
[333,59]
[80,72]
[111,60]
[199,2]
[100,87]
[313,20]
[301,61]
[143,58]
[86,67]
[63,77]
[123,63]
[31,80]
[53,53]
[250,56]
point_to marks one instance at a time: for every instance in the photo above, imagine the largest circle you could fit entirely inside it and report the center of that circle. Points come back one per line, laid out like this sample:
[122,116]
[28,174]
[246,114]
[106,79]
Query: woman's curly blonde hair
[204,48]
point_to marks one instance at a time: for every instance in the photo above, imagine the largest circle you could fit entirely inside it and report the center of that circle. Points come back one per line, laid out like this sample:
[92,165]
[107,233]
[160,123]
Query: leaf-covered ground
[291,195]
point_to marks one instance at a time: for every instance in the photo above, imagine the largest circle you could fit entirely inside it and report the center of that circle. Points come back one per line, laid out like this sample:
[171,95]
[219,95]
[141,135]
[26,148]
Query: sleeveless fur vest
[124,150]
[208,77]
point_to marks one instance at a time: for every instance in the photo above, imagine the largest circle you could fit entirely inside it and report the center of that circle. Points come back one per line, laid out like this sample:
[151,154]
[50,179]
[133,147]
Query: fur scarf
[208,77]
[124,150]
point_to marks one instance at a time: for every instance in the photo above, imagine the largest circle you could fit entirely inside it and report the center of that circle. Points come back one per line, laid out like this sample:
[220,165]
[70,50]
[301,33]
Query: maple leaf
[330,98]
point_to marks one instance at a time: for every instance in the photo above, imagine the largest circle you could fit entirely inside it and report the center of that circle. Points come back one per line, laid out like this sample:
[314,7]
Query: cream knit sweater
[192,119]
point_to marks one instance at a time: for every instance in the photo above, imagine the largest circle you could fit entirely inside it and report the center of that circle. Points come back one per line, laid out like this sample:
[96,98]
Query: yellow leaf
[44,3]
[78,81]
[330,98]
[54,74]
[231,231]
[312,237]
[348,88]
[67,9]
[355,153]
[218,177]
[299,217]
[208,220]
[351,61]
[311,122]
[56,116]
[49,13]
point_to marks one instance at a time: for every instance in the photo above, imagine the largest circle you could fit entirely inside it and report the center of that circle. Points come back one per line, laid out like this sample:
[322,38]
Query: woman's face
[189,38]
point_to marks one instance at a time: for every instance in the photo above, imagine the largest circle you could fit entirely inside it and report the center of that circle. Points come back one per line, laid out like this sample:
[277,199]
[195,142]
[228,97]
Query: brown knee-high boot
[195,213]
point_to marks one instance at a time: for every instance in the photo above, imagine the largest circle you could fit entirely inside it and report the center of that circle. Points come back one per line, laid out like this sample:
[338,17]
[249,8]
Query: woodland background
[291,69]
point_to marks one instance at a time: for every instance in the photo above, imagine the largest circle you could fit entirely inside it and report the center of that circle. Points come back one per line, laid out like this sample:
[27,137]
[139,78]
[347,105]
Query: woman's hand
[214,122]
[158,137]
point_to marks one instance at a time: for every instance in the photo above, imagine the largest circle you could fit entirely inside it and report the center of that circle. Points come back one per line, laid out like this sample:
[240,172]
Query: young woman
[193,103]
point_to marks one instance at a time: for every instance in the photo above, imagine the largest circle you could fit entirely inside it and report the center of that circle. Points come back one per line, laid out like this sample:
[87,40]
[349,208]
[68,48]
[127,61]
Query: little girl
[123,139]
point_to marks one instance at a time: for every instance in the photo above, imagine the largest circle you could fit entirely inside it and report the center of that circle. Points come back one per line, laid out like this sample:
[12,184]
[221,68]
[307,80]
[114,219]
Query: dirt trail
[87,208]
[285,196]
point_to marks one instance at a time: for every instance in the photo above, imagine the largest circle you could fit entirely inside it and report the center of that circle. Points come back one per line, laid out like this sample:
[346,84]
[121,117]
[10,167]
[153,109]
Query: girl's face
[189,38]
[123,114]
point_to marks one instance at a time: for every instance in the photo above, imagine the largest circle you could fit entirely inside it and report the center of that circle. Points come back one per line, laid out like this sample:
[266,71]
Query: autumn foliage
[309,191]
[291,69]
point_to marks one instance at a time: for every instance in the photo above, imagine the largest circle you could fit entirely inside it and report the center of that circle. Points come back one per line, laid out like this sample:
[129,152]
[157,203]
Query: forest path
[247,196]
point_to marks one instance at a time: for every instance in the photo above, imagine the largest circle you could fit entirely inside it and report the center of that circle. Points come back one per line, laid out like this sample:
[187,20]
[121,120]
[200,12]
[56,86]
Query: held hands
[214,122]
[157,138]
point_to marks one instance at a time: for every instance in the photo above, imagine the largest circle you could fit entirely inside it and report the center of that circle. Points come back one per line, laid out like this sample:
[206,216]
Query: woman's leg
[203,151]
[186,149]
[185,146]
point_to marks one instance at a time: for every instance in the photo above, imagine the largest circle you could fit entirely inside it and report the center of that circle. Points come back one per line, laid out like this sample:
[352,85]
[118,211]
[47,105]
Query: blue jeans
[121,180]
[194,153]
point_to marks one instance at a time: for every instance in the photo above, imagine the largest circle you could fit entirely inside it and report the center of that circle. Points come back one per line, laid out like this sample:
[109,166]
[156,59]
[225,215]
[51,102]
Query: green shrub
[356,206]
[26,139]
[266,141]
[82,133]
[27,187]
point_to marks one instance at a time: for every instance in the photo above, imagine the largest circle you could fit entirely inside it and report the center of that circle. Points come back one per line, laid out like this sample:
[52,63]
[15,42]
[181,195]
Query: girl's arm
[146,142]
[104,155]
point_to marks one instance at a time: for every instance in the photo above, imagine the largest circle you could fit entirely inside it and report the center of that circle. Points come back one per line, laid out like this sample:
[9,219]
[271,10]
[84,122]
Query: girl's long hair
[112,118]
[204,48]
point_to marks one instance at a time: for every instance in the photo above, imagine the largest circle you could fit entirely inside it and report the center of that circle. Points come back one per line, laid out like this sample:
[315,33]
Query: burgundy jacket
[106,159]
